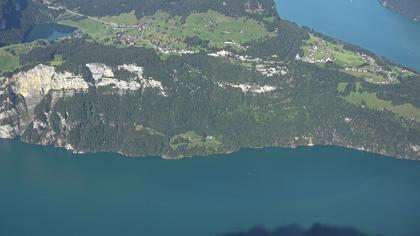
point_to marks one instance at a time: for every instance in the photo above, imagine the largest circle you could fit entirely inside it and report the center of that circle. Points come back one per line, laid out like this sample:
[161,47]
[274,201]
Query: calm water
[48,31]
[362,22]
[47,191]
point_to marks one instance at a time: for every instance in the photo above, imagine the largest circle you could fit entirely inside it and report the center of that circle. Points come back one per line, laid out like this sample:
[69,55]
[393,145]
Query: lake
[49,31]
[362,22]
[47,191]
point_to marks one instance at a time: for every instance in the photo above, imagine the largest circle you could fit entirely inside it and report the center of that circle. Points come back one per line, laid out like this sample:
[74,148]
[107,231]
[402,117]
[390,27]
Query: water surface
[362,22]
[49,31]
[48,191]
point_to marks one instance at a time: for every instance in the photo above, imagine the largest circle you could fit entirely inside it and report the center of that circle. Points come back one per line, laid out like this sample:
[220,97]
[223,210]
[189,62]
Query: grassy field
[8,63]
[367,75]
[219,29]
[166,31]
[325,49]
[96,30]
[342,87]
[57,60]
[10,55]
[397,71]
[192,140]
[125,18]
[372,101]
[319,50]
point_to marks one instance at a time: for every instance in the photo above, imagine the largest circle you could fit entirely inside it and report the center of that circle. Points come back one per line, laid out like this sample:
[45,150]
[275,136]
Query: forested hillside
[192,77]
[16,19]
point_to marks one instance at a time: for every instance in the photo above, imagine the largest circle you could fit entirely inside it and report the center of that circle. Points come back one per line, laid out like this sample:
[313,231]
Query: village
[361,65]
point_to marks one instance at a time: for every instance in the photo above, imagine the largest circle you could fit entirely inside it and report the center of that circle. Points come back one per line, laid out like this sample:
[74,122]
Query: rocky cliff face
[23,92]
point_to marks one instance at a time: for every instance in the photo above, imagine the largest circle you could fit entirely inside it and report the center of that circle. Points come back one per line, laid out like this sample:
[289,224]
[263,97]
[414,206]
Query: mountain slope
[188,77]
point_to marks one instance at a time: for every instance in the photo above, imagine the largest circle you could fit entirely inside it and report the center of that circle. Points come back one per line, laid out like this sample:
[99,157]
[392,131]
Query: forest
[175,7]
[219,98]
[16,20]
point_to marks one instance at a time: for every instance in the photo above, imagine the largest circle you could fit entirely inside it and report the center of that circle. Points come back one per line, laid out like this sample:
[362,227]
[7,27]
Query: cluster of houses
[369,64]
[129,39]
[310,58]
[371,67]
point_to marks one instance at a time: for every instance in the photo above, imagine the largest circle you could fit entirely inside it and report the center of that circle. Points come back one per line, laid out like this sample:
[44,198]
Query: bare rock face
[24,91]
[42,79]
[104,76]
[9,117]
[35,84]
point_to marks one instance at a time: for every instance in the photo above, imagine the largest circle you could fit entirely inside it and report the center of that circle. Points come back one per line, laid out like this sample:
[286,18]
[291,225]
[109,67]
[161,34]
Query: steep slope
[198,79]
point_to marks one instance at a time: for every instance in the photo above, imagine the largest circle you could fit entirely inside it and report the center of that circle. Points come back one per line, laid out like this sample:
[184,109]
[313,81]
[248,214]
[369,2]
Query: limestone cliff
[23,92]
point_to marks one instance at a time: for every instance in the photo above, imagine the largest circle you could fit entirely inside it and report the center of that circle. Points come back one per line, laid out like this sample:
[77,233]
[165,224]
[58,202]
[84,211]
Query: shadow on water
[297,230]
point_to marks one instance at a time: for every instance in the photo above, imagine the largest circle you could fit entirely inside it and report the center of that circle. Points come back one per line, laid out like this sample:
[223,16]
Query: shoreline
[81,153]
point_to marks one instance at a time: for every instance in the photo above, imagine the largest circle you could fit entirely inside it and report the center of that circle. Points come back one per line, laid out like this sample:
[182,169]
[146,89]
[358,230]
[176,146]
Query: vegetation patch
[98,31]
[192,140]
[10,55]
[222,30]
[358,64]
[342,87]
[167,32]
[400,72]
[124,18]
[318,50]
[368,76]
[57,60]
[370,100]
[141,128]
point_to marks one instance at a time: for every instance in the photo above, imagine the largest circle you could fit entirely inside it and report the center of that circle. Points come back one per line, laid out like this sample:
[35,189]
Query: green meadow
[325,49]
[10,55]
[170,31]
[370,100]
[193,140]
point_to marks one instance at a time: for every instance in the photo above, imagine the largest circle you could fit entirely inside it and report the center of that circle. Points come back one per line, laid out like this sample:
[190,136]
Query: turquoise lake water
[362,22]
[48,191]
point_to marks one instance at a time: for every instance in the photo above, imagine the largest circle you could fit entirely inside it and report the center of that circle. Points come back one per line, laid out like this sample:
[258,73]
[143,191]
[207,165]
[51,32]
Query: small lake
[48,191]
[49,31]
[362,22]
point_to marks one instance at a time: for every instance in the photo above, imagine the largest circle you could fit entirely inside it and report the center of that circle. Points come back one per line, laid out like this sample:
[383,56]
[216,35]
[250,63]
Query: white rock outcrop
[104,76]
[34,84]
[42,79]
[249,88]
